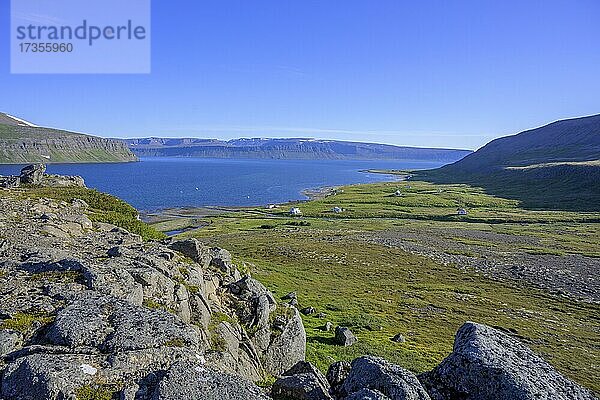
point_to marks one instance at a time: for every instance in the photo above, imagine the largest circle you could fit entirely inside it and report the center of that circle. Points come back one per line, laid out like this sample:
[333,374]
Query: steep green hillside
[553,167]
[22,142]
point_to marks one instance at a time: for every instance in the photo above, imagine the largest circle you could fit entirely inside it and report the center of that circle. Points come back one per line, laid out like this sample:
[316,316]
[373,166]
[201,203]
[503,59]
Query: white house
[337,210]
[295,211]
[398,193]
[461,211]
[271,206]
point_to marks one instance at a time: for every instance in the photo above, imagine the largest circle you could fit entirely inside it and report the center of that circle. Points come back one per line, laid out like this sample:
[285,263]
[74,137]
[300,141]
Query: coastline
[202,212]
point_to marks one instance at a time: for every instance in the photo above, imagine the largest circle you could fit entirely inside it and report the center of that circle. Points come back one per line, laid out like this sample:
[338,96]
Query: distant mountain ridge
[293,148]
[23,142]
[555,166]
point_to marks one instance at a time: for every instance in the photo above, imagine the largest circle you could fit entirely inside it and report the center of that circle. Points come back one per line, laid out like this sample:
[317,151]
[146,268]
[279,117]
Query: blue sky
[435,73]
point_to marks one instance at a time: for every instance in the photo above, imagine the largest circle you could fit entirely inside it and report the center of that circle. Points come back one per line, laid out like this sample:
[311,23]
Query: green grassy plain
[379,291]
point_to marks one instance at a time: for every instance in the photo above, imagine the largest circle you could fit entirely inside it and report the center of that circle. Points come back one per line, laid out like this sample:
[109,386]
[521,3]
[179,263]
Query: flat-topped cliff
[22,142]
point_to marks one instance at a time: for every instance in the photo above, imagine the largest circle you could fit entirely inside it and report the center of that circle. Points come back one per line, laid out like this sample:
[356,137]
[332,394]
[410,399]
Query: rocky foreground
[90,311]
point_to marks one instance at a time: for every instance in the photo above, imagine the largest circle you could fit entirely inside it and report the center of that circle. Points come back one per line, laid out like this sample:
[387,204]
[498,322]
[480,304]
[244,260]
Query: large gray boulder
[302,382]
[299,387]
[288,346]
[277,331]
[33,174]
[344,336]
[63,181]
[488,364]
[115,325]
[257,302]
[48,376]
[389,379]
[236,353]
[186,380]
[336,375]
[193,249]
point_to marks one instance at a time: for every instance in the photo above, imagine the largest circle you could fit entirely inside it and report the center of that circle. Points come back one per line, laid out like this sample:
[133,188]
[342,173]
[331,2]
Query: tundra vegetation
[408,264]
[103,207]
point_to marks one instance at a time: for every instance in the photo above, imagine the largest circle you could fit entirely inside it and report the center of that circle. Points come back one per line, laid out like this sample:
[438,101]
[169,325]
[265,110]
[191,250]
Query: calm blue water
[156,183]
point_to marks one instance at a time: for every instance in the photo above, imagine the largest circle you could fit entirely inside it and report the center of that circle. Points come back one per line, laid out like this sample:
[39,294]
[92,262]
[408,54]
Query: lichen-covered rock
[299,387]
[48,376]
[193,249]
[336,375]
[301,382]
[33,174]
[344,336]
[488,364]
[127,309]
[367,394]
[391,380]
[221,258]
[58,181]
[186,380]
[234,352]
[255,301]
[115,325]
[9,341]
[277,331]
[289,346]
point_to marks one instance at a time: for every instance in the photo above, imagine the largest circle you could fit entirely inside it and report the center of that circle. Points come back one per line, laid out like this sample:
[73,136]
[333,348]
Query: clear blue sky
[435,73]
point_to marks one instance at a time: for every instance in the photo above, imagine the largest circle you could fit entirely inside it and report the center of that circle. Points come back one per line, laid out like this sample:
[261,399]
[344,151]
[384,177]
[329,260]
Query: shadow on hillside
[560,188]
[330,341]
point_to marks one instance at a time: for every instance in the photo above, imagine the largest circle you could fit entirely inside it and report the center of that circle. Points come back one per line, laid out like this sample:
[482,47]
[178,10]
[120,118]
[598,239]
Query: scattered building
[271,206]
[461,211]
[295,211]
[337,210]
[398,193]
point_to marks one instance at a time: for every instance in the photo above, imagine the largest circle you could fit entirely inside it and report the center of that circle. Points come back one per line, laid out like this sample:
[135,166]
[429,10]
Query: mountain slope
[556,166]
[23,142]
[295,148]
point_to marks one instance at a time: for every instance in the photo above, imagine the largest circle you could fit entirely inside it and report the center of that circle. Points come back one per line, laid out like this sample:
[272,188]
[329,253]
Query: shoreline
[311,194]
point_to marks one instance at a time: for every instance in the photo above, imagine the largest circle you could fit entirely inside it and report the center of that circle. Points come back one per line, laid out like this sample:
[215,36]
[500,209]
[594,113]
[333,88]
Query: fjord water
[156,183]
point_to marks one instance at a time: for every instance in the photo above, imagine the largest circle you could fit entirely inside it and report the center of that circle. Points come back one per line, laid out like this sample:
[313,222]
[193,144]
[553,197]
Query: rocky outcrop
[276,332]
[389,380]
[185,380]
[304,382]
[35,174]
[488,364]
[336,375]
[90,308]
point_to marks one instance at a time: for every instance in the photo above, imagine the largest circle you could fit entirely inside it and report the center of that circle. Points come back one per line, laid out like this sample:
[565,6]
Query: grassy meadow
[379,291]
